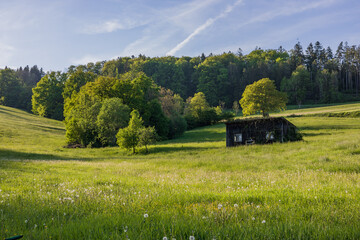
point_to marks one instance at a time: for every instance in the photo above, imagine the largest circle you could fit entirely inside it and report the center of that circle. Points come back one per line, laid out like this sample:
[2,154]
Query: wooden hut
[260,130]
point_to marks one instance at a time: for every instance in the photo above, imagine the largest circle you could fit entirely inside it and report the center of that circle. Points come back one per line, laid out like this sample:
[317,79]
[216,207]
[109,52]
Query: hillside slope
[190,186]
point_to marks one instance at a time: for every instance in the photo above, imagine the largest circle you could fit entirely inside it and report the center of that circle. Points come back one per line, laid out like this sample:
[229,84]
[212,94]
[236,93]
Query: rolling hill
[190,186]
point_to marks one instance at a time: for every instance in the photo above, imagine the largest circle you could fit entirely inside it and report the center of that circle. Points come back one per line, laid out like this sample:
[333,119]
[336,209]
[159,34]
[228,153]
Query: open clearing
[191,186]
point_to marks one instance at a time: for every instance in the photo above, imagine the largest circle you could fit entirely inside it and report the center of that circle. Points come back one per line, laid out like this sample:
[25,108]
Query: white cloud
[112,26]
[166,25]
[202,27]
[288,10]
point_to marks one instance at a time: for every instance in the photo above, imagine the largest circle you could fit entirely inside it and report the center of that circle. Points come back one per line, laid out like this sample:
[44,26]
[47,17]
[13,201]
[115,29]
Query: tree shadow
[328,127]
[11,114]
[47,128]
[167,149]
[6,154]
[314,134]
[213,133]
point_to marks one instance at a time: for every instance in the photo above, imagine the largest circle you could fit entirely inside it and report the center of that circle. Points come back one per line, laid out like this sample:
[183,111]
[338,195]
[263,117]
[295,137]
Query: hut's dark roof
[256,121]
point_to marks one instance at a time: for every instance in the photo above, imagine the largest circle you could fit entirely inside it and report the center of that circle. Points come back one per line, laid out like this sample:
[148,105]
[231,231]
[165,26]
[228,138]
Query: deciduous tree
[113,115]
[262,96]
[129,137]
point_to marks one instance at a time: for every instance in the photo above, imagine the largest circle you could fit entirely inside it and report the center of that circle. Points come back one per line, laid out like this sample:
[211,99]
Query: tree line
[313,75]
[16,86]
[172,94]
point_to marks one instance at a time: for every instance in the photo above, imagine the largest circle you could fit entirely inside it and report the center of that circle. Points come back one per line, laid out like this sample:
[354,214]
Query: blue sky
[55,34]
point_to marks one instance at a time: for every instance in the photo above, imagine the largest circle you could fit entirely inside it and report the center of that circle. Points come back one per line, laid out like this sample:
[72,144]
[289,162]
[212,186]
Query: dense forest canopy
[165,90]
[312,75]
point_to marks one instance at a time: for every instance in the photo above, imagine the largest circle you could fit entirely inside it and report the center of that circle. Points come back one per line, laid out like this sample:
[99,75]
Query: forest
[173,94]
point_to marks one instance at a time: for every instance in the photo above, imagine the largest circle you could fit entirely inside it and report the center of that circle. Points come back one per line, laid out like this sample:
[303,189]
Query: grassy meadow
[191,186]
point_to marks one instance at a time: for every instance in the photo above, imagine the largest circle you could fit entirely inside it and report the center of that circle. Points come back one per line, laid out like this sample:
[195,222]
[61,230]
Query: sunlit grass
[191,186]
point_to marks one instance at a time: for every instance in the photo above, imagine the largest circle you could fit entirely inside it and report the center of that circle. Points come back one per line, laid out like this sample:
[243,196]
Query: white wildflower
[253,218]
[263,221]
[191,238]
[146,215]
[236,206]
[165,238]
[26,221]
[220,206]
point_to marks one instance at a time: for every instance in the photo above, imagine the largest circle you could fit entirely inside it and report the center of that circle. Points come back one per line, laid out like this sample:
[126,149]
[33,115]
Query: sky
[54,34]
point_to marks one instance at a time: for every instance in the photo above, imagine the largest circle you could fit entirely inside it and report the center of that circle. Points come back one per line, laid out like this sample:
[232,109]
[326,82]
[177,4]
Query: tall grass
[191,186]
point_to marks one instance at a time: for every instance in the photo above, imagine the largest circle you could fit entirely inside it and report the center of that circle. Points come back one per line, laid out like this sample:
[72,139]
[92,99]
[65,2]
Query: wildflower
[253,219]
[146,215]
[26,221]
[35,226]
[263,221]
[165,238]
[220,206]
[236,206]
[257,206]
[191,238]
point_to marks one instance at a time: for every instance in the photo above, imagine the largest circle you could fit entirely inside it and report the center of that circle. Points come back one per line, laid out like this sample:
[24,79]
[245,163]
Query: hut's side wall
[258,129]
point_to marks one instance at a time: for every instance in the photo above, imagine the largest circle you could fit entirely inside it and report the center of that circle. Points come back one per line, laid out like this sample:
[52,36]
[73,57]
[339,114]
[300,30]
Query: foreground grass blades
[191,186]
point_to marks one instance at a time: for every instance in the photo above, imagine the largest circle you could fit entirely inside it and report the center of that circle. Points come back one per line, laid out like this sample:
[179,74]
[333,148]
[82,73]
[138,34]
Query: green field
[191,186]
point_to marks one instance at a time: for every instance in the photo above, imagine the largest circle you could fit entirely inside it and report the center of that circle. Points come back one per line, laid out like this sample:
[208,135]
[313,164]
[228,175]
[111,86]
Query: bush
[80,120]
[128,137]
[113,115]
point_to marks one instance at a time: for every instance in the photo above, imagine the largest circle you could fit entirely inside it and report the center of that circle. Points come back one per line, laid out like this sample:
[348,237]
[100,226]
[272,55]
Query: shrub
[113,115]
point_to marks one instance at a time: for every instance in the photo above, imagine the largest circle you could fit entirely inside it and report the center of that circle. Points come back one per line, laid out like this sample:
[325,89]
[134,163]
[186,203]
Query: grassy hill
[191,186]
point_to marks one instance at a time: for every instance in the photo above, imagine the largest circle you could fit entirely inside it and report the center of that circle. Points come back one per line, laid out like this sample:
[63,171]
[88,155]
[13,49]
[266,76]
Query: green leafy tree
[214,79]
[328,86]
[10,87]
[81,119]
[75,81]
[147,136]
[197,104]
[297,85]
[236,107]
[129,137]
[198,112]
[113,115]
[47,99]
[173,107]
[156,118]
[262,96]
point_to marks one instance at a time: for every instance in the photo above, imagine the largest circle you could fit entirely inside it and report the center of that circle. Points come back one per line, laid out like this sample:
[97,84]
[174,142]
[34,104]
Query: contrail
[201,28]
